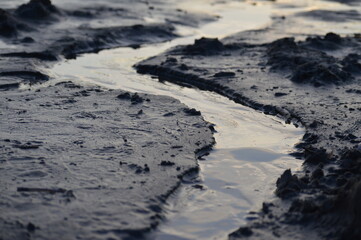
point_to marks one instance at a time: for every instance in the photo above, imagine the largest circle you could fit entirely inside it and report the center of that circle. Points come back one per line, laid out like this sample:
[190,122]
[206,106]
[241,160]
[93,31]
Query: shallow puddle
[251,151]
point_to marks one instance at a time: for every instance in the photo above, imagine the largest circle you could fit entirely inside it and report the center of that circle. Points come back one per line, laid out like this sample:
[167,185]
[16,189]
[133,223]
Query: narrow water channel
[251,151]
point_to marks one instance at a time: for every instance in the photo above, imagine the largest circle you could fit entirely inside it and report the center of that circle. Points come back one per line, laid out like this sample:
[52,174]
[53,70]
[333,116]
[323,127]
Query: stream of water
[252,148]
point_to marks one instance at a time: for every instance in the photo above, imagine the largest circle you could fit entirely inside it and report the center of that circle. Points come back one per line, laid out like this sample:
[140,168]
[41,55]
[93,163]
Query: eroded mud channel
[251,148]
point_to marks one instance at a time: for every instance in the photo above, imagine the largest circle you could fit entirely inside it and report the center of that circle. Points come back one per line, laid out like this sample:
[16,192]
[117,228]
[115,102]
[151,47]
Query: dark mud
[314,82]
[90,163]
[84,162]
[66,148]
[332,16]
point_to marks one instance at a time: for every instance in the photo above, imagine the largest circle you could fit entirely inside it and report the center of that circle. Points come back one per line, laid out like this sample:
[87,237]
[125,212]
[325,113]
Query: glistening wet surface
[251,151]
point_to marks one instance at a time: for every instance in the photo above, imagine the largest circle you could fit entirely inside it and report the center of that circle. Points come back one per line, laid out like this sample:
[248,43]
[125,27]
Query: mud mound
[309,63]
[204,46]
[37,10]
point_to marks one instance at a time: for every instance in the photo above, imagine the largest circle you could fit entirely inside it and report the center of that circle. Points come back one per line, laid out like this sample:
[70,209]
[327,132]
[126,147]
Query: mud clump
[330,41]
[191,112]
[308,63]
[319,74]
[167,163]
[204,46]
[134,98]
[37,10]
[288,185]
[280,94]
[224,74]
[241,233]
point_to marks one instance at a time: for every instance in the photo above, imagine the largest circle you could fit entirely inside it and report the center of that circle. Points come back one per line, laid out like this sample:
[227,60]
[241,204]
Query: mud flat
[92,163]
[71,155]
[313,81]
[38,33]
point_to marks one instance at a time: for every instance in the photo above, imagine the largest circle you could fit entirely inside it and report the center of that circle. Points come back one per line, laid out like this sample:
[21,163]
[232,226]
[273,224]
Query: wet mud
[92,163]
[313,81]
[85,162]
[44,32]
[65,149]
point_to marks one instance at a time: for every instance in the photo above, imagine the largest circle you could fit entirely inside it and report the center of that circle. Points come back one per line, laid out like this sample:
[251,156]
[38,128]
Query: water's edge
[252,148]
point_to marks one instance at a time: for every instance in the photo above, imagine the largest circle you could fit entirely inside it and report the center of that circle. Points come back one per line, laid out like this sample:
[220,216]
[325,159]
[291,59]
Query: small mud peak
[282,44]
[330,41]
[333,37]
[37,9]
[309,61]
[320,74]
[288,185]
[204,46]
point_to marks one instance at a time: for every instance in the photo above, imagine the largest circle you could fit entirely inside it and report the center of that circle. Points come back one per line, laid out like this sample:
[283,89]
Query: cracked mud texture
[86,163]
[44,32]
[314,82]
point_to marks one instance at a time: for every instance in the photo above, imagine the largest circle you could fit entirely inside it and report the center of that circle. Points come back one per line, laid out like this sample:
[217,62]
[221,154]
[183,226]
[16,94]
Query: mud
[313,82]
[85,162]
[43,31]
[65,149]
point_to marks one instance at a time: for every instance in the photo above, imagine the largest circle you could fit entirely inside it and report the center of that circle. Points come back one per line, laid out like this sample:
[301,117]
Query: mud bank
[92,163]
[314,82]
[84,162]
